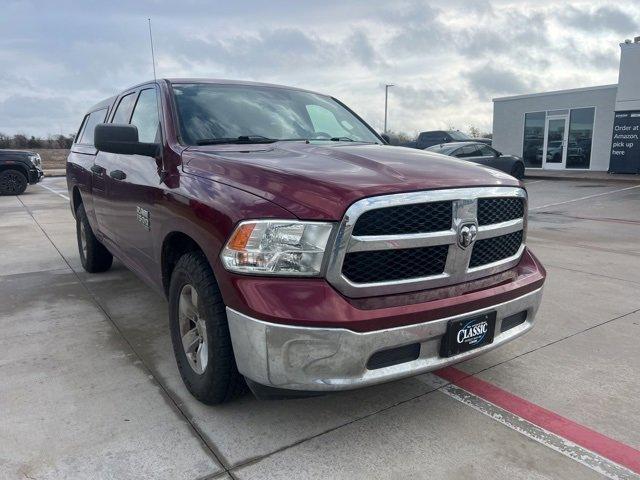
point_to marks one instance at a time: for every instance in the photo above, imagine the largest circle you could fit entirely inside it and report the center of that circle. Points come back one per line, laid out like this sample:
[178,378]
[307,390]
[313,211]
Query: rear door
[81,166]
[134,186]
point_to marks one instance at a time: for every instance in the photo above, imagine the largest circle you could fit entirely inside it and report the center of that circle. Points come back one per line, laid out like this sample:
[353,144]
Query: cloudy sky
[447,58]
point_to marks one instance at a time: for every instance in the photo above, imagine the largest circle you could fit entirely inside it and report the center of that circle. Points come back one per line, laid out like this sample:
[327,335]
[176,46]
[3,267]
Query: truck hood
[319,181]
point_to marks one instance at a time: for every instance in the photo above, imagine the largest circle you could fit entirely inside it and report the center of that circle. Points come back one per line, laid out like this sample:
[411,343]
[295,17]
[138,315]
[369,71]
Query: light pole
[386,99]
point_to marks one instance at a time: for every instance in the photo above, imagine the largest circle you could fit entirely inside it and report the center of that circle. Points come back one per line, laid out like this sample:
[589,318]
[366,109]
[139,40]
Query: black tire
[518,170]
[220,380]
[12,182]
[95,257]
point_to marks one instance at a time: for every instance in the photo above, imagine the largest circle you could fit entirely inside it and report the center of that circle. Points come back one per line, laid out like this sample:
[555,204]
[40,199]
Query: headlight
[35,159]
[277,247]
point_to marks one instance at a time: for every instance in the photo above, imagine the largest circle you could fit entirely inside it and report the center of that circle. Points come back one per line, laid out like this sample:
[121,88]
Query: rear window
[456,135]
[93,119]
[432,135]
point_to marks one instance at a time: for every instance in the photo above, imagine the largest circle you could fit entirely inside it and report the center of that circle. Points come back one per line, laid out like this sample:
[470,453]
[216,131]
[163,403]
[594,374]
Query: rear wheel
[94,255]
[518,170]
[200,332]
[12,182]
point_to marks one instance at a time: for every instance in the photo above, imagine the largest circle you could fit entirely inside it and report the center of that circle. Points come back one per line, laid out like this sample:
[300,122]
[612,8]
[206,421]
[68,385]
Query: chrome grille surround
[465,208]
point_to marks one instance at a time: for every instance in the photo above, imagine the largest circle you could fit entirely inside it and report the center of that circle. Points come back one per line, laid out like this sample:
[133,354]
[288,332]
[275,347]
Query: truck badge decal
[467,234]
[143,217]
[472,334]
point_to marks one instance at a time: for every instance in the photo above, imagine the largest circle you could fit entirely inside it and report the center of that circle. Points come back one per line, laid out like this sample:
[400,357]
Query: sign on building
[625,145]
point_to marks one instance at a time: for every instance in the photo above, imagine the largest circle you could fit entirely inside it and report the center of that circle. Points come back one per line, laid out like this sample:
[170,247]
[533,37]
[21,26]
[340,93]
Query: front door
[555,142]
[134,188]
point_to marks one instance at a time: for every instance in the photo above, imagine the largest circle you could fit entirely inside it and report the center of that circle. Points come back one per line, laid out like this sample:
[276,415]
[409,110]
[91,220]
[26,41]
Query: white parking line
[535,181]
[54,191]
[586,457]
[585,198]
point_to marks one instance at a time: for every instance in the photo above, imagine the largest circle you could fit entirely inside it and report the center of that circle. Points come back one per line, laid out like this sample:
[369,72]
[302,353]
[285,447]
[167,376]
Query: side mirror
[122,139]
[498,154]
[386,138]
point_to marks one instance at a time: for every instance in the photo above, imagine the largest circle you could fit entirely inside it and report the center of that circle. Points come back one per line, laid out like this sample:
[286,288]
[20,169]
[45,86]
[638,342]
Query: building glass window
[533,139]
[580,135]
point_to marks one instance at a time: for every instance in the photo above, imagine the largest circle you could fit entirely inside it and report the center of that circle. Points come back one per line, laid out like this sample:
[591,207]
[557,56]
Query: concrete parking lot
[89,386]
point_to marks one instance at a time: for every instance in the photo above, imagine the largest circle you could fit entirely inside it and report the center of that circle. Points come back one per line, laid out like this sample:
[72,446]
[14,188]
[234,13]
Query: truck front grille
[414,241]
[496,210]
[387,265]
[403,219]
[495,249]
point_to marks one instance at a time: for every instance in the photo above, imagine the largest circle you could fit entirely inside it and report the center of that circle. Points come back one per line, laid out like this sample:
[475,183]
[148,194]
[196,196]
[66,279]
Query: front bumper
[35,175]
[330,359]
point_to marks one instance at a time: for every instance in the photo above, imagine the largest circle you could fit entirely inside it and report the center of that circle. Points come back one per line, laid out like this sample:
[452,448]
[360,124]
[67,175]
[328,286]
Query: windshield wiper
[242,139]
[342,139]
[332,139]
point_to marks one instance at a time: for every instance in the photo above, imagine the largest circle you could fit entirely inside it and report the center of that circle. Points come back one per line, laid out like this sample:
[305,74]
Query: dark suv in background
[482,154]
[18,168]
[434,137]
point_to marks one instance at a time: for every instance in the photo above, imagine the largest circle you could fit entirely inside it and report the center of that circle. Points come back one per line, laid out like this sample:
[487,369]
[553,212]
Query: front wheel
[200,332]
[12,182]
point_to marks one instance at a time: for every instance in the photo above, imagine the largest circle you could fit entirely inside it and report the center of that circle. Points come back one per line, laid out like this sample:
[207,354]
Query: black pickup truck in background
[435,137]
[18,168]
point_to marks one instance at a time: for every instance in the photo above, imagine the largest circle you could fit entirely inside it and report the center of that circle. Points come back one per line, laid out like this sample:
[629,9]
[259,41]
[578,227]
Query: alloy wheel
[193,330]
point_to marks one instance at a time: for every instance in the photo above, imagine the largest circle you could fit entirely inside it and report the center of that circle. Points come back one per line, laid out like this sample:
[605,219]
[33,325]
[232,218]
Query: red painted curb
[604,446]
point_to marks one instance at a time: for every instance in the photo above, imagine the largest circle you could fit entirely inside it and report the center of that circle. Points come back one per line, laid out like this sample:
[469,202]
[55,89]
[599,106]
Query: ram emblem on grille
[467,234]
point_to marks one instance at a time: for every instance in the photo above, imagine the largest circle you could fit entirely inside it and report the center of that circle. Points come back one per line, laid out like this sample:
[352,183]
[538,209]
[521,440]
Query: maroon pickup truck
[299,253]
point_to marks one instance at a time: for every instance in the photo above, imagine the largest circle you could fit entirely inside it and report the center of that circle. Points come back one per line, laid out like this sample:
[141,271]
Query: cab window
[94,118]
[145,116]
[123,110]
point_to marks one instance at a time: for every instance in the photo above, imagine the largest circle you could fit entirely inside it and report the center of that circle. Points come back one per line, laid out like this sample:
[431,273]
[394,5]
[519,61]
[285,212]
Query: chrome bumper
[329,359]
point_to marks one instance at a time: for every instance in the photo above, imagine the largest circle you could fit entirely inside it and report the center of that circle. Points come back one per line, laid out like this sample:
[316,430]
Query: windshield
[456,135]
[215,113]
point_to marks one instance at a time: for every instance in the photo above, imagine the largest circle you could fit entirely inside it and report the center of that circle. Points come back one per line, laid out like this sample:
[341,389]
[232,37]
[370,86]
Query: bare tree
[21,141]
[474,131]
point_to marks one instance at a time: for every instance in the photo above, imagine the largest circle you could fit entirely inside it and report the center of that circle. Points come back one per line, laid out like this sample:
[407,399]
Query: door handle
[118,175]
[97,169]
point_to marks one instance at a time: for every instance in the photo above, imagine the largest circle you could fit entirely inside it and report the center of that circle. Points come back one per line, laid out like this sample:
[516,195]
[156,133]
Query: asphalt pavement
[89,386]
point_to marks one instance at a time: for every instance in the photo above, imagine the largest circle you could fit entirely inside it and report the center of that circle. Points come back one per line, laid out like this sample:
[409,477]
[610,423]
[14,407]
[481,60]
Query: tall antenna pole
[153,56]
[386,98]
[163,172]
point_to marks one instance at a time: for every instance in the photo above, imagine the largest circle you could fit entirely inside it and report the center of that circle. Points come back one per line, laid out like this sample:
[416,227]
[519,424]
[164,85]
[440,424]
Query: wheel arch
[76,199]
[174,245]
[15,166]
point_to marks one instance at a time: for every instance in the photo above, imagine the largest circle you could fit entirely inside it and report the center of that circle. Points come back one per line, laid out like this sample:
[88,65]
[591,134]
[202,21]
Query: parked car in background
[435,137]
[297,250]
[18,168]
[484,155]
[554,152]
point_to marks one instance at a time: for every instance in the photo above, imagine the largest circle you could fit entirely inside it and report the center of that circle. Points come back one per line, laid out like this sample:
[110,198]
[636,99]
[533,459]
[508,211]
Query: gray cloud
[419,29]
[489,80]
[607,17]
[448,57]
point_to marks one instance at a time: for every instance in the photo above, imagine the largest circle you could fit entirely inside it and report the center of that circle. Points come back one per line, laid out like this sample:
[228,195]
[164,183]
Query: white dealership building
[592,128]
